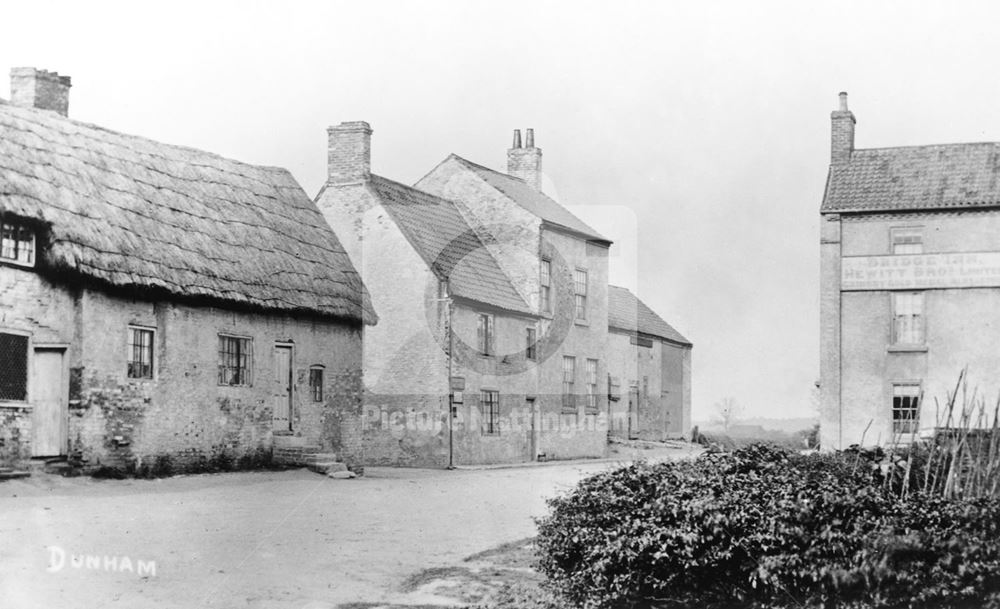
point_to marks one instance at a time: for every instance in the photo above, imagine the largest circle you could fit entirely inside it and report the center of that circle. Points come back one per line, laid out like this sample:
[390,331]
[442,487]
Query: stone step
[12,474]
[327,467]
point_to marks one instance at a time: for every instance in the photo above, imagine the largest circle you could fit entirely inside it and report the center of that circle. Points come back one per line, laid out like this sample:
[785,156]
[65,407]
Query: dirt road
[289,539]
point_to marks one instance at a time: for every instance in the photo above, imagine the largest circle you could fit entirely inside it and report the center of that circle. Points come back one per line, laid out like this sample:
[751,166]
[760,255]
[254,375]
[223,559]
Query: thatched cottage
[162,305]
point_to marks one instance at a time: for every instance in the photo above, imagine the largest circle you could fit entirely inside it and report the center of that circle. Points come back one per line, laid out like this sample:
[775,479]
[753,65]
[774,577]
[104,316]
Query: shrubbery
[763,527]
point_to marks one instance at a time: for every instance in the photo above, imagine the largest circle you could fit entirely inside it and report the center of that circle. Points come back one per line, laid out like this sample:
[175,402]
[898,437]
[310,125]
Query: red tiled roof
[454,252]
[916,178]
[627,312]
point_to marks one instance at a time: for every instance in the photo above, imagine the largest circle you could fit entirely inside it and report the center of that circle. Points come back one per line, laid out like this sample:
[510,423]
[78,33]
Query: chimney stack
[31,88]
[349,153]
[842,133]
[526,162]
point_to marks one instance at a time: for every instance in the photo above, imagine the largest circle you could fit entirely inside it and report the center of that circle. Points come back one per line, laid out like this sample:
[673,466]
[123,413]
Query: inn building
[910,283]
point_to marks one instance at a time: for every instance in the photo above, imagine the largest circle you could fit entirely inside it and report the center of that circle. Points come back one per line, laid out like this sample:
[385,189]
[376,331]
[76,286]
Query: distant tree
[727,411]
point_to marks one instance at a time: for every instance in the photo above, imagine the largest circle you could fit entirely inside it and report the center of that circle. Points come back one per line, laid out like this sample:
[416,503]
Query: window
[140,353]
[531,349]
[316,383]
[908,318]
[592,385]
[545,295]
[580,291]
[905,402]
[489,403]
[17,243]
[235,360]
[13,367]
[907,240]
[484,334]
[569,378]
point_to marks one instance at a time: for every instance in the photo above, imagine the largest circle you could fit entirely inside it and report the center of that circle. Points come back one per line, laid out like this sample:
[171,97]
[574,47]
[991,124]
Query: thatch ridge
[132,212]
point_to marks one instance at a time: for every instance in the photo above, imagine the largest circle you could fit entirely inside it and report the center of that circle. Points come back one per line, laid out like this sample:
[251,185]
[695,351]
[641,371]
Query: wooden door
[535,428]
[281,417]
[49,415]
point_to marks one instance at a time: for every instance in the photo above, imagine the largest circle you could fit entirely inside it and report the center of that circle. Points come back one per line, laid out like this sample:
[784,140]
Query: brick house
[649,368]
[559,265]
[459,322]
[910,283]
[161,304]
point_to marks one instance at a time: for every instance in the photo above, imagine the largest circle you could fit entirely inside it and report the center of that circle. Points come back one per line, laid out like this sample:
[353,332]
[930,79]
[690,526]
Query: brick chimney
[842,140]
[349,153]
[40,89]
[525,162]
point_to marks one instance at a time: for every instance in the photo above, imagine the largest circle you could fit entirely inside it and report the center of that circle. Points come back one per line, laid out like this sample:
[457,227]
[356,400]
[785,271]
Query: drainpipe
[451,391]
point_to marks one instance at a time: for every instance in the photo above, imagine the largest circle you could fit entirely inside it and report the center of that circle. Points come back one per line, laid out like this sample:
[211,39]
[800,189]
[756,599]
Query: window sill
[581,322]
[907,349]
[14,404]
[22,265]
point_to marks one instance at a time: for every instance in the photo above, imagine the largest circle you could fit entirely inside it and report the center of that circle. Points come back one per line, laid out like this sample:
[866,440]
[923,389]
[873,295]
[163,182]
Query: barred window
[531,349]
[17,243]
[592,385]
[907,240]
[580,291]
[484,334]
[316,383]
[905,402]
[140,353]
[545,296]
[568,385]
[235,360]
[908,318]
[489,403]
[13,367]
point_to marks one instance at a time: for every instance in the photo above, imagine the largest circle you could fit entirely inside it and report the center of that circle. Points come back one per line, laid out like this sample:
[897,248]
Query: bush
[764,527]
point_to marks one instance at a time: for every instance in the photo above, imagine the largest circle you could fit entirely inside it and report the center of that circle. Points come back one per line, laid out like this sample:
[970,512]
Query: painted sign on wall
[921,271]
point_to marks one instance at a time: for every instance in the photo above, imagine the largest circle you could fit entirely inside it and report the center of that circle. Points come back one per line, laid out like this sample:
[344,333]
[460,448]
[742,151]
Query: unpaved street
[289,539]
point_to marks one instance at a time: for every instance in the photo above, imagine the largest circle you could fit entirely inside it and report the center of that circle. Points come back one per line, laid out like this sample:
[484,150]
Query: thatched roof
[133,213]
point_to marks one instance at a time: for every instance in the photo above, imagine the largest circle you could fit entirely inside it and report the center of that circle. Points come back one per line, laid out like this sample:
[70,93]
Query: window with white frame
[17,242]
[580,293]
[905,408]
[489,403]
[592,385]
[569,383]
[13,367]
[545,282]
[907,240]
[140,353]
[908,318]
[484,334]
[235,360]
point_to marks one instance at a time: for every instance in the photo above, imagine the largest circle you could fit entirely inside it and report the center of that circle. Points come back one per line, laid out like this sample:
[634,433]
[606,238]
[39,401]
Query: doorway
[534,429]
[49,403]
[281,411]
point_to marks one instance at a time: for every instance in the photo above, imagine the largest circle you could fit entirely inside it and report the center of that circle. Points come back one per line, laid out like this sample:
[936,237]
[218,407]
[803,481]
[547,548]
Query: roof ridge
[925,146]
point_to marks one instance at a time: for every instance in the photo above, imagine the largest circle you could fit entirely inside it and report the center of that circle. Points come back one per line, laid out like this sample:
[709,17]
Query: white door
[49,415]
[281,416]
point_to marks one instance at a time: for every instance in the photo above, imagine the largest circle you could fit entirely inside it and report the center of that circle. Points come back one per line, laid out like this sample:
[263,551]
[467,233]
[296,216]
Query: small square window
[235,360]
[316,383]
[140,353]
[17,243]
[907,240]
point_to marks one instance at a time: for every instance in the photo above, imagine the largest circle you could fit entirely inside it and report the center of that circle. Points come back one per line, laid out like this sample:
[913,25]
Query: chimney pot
[31,88]
[517,139]
[529,138]
[349,153]
[843,101]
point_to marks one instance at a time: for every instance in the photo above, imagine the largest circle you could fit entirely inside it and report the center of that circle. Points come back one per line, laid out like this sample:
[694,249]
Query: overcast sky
[695,134]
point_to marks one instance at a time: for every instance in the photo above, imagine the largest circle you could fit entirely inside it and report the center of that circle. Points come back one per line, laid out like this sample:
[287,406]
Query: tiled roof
[532,200]
[137,214]
[916,178]
[442,237]
[626,312]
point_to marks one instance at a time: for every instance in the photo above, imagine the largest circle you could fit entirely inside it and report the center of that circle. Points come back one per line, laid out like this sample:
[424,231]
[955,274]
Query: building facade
[910,284]
[511,338]
[164,307]
[649,372]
